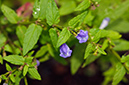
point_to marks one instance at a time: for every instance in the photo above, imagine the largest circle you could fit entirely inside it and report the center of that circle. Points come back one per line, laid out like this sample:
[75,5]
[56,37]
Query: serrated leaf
[20,31]
[69,5]
[25,69]
[34,73]
[1,59]
[89,60]
[88,50]
[53,36]
[119,74]
[2,40]
[10,14]
[83,5]
[77,21]
[12,78]
[52,13]
[77,57]
[39,9]
[15,59]
[125,58]
[100,50]
[63,37]
[41,52]
[8,67]
[31,37]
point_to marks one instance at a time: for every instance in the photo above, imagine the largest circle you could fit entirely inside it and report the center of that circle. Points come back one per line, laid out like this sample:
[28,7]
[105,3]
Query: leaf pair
[46,9]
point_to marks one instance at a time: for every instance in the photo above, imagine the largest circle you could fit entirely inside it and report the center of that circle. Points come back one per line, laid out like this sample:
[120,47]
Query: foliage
[37,30]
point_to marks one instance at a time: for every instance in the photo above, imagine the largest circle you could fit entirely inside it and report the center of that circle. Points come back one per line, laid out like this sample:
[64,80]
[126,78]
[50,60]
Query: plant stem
[119,58]
[25,80]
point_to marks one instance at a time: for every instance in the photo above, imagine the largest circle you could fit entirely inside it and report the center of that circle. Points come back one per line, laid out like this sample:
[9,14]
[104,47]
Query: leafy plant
[60,29]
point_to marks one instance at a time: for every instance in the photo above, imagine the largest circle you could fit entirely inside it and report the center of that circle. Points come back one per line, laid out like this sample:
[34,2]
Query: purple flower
[38,63]
[65,51]
[104,23]
[82,36]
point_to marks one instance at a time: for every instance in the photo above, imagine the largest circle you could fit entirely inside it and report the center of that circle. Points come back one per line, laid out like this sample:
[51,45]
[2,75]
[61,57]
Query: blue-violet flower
[38,63]
[65,51]
[104,23]
[82,36]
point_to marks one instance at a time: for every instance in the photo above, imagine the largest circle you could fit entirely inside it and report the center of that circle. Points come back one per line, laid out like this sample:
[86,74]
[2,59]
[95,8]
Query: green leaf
[119,74]
[53,36]
[34,73]
[15,59]
[121,45]
[45,38]
[108,76]
[44,58]
[83,5]
[118,26]
[114,13]
[63,37]
[105,44]
[52,13]
[11,50]
[125,59]
[77,57]
[1,59]
[97,36]
[25,69]
[88,19]
[88,50]
[69,5]
[18,77]
[113,34]
[77,21]
[41,52]
[39,9]
[36,9]
[12,78]
[10,14]
[20,31]
[31,37]
[100,50]
[89,60]
[28,60]
[8,67]
[4,77]
[2,40]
